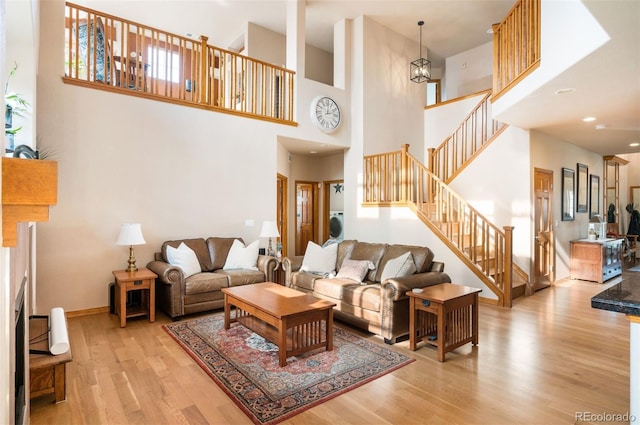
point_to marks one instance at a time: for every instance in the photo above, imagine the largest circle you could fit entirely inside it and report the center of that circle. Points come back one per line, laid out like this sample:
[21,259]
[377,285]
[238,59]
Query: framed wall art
[594,195]
[568,195]
[582,189]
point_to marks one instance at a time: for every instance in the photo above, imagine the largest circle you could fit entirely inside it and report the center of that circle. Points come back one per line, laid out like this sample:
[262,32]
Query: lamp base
[132,261]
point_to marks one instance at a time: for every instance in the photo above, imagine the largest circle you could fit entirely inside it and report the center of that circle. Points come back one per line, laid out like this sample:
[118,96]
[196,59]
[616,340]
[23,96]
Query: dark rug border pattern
[271,412]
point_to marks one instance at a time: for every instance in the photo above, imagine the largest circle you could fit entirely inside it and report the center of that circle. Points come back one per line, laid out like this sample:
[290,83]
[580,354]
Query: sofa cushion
[422,257]
[185,258]
[304,280]
[332,287]
[368,297]
[355,269]
[345,248]
[398,267]
[198,246]
[372,252]
[205,282]
[241,257]
[219,250]
[320,260]
[242,277]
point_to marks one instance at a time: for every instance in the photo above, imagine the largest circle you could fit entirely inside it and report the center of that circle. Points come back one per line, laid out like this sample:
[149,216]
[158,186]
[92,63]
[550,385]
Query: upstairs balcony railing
[106,52]
[516,46]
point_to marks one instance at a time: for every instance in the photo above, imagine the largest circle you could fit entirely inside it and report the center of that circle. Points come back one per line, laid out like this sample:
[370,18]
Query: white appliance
[336,225]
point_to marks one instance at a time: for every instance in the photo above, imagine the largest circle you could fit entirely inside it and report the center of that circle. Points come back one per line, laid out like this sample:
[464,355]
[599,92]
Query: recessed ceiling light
[565,91]
[490,30]
[635,144]
[601,126]
[589,119]
[313,151]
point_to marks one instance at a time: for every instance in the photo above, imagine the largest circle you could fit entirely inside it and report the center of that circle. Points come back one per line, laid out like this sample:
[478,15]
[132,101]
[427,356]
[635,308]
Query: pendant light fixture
[420,69]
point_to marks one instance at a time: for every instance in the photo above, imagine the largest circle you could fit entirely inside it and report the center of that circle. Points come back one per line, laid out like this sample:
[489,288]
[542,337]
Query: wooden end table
[444,315]
[142,279]
[47,373]
[289,318]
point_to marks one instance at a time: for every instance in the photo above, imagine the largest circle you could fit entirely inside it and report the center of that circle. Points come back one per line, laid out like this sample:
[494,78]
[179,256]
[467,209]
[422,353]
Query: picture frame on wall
[582,189]
[568,195]
[594,196]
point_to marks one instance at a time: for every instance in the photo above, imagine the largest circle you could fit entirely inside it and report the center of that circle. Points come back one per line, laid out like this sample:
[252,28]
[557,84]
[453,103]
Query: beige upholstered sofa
[380,307]
[178,294]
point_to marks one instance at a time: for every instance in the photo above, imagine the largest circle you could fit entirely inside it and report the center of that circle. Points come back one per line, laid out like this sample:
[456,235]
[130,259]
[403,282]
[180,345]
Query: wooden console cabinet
[598,260]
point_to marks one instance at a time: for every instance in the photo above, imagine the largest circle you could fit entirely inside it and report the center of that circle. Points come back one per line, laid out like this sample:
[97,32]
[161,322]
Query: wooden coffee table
[288,318]
[444,315]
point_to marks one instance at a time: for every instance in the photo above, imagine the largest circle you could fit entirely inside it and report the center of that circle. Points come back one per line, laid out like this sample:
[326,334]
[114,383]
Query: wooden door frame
[282,213]
[315,209]
[326,187]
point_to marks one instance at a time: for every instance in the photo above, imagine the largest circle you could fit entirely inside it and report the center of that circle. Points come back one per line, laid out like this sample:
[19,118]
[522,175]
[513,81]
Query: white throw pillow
[355,269]
[185,258]
[399,267]
[241,257]
[320,260]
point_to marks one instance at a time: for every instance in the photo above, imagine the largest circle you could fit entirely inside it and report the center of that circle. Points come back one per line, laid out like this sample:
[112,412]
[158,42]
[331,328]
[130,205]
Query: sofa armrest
[437,266]
[290,265]
[171,275]
[267,265]
[170,287]
[397,287]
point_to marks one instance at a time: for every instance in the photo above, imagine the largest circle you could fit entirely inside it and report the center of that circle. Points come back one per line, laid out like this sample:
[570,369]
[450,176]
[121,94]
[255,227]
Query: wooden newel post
[404,172]
[508,265]
[204,74]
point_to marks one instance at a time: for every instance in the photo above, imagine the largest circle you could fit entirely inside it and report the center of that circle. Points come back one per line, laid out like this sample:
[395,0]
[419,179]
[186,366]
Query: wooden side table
[143,279]
[444,315]
[47,373]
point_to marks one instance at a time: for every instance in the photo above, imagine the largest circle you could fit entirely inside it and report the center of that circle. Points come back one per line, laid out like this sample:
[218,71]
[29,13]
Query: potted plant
[14,104]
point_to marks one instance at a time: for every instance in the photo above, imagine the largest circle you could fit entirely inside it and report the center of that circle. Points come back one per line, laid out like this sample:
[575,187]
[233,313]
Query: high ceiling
[606,84]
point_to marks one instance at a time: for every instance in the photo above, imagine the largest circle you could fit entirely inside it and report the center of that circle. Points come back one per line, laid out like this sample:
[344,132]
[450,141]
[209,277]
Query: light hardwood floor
[542,362]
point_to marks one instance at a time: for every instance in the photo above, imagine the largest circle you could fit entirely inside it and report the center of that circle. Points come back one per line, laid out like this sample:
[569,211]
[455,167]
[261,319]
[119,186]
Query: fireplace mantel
[29,188]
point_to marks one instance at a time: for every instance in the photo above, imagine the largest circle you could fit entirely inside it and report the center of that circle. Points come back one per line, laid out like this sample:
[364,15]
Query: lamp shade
[130,234]
[269,230]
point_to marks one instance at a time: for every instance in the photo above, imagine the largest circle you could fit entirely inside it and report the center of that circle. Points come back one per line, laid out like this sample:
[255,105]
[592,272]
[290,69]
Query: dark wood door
[305,217]
[543,230]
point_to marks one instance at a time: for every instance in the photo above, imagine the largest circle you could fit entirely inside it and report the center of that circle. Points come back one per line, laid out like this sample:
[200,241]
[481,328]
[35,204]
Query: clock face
[325,113]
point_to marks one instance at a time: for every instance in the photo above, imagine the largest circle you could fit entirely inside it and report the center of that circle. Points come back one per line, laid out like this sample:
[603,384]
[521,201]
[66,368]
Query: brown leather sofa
[177,295]
[378,307]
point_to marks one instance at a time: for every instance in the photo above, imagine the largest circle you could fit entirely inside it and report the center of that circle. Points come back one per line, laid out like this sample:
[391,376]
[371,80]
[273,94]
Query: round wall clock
[325,114]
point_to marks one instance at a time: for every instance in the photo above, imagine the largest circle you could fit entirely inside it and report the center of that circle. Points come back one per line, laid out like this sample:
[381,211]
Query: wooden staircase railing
[398,178]
[106,52]
[516,46]
[474,133]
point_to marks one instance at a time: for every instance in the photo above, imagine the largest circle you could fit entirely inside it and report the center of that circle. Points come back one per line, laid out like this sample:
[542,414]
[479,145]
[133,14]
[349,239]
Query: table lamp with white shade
[131,234]
[269,230]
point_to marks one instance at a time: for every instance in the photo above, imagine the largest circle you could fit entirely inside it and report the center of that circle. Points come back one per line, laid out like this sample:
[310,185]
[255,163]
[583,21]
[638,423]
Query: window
[164,65]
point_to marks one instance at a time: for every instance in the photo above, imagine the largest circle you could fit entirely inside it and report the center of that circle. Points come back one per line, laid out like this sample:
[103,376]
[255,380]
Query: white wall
[318,65]
[469,72]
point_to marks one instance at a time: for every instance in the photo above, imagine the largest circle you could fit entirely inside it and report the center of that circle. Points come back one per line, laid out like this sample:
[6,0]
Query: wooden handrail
[111,53]
[476,131]
[516,46]
[398,178]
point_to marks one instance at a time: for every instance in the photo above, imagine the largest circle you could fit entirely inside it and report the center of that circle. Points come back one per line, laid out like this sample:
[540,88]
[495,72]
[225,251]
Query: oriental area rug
[246,367]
